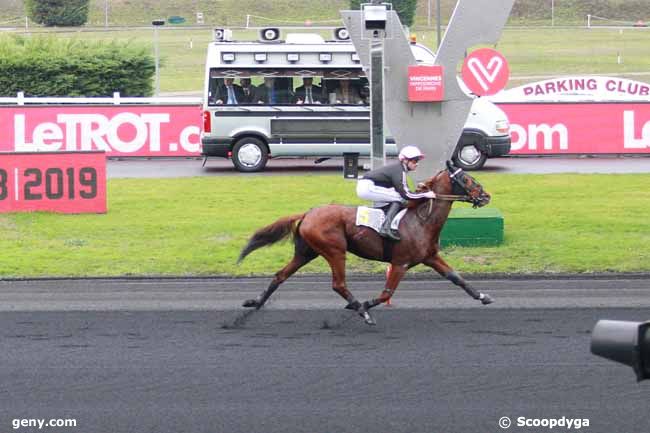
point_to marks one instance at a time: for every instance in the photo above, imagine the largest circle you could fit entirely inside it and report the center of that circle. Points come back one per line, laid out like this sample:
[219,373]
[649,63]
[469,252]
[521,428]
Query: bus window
[229,93]
[287,90]
[308,92]
[213,87]
[346,92]
[273,91]
[248,91]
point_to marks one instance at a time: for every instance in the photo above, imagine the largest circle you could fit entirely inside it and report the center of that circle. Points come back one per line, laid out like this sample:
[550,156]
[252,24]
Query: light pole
[156,24]
[438,20]
[375,16]
[552,13]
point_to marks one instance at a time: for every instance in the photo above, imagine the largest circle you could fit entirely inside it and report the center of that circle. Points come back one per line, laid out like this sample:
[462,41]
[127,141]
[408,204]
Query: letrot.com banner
[151,131]
[579,128]
[147,130]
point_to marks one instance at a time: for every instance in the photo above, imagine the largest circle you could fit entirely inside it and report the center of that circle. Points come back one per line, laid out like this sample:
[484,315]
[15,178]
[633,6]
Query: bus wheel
[250,154]
[469,157]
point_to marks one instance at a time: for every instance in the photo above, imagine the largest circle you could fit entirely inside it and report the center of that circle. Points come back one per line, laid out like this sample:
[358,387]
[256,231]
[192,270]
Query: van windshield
[282,90]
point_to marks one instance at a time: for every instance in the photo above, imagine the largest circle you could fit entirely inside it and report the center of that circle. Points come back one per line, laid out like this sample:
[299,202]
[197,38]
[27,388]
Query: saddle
[374,218]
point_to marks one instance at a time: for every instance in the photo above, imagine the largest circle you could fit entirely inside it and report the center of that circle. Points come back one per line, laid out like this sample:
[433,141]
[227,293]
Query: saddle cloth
[374,218]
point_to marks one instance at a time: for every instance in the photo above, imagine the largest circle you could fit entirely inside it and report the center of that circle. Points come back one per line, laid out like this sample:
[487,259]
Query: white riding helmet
[410,152]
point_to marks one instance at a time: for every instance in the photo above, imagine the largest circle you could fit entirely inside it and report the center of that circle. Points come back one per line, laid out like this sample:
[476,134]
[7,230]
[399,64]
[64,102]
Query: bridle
[457,178]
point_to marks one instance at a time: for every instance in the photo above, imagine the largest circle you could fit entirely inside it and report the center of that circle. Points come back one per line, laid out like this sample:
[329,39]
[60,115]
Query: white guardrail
[116,99]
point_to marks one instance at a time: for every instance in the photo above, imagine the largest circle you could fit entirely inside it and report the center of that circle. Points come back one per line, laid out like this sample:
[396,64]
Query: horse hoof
[251,303]
[367,318]
[487,299]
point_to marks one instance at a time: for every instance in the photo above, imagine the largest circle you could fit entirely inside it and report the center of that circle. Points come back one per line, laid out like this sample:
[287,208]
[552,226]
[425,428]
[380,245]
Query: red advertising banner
[578,128]
[66,182]
[425,84]
[485,71]
[153,130]
[121,130]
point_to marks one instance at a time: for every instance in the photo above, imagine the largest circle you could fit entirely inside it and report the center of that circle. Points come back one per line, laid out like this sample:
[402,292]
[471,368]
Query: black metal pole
[378,157]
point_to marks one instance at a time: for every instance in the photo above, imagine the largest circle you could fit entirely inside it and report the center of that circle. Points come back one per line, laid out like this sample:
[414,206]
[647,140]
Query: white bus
[308,97]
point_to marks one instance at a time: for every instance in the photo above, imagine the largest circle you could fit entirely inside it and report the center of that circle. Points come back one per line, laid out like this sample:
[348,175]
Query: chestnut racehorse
[331,230]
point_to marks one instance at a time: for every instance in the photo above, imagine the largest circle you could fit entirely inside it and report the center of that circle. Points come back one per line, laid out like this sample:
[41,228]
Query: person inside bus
[268,93]
[248,90]
[229,93]
[346,93]
[213,89]
[308,93]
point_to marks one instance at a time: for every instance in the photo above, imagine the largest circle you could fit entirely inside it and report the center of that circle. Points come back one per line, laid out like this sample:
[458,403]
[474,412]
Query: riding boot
[385,229]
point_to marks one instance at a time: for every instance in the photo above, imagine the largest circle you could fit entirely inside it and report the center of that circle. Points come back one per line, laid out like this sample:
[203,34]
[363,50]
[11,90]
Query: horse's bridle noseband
[457,176]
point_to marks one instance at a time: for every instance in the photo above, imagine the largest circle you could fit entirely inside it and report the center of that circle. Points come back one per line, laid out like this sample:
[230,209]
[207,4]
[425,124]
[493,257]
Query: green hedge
[46,66]
[62,13]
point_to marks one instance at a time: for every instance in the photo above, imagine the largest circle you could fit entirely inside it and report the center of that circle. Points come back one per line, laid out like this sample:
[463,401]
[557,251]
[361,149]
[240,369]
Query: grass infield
[196,226]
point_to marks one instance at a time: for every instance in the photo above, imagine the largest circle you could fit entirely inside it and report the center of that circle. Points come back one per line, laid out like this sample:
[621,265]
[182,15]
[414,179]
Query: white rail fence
[116,99]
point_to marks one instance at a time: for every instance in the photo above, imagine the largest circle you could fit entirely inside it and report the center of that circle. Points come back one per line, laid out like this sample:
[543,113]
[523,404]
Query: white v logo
[485,75]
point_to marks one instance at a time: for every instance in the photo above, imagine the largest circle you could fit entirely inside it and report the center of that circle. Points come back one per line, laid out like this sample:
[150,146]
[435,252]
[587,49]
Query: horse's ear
[450,166]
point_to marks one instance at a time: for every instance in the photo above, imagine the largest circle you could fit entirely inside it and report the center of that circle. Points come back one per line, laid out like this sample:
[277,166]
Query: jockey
[387,185]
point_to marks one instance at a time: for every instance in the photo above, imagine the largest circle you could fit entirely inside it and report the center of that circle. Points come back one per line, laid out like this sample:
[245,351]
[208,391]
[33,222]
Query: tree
[405,9]
[58,13]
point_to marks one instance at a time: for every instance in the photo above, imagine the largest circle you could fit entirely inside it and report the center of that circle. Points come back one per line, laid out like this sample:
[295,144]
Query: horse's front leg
[441,267]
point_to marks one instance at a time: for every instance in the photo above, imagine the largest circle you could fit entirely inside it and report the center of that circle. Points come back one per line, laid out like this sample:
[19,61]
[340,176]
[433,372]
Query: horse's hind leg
[302,255]
[440,266]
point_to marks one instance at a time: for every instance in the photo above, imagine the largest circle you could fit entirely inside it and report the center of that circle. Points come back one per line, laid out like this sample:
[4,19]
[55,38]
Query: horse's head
[454,181]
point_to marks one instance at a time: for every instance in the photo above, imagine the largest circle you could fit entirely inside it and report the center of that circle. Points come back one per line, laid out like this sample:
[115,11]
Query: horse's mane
[427,185]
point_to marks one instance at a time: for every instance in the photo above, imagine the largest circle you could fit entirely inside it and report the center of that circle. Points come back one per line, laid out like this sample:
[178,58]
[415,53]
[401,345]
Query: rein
[451,197]
[442,197]
[445,197]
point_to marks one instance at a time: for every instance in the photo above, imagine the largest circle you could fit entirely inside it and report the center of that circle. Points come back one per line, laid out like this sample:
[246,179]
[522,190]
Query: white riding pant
[367,190]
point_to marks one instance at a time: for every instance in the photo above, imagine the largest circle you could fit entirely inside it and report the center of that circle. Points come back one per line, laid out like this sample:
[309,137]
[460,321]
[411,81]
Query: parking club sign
[485,72]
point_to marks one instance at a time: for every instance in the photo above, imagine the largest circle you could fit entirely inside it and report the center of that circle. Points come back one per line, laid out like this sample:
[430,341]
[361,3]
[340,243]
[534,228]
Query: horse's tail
[270,234]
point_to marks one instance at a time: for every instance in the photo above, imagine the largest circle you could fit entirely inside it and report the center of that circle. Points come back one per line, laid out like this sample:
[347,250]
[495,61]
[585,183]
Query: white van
[277,117]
